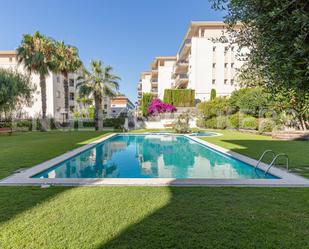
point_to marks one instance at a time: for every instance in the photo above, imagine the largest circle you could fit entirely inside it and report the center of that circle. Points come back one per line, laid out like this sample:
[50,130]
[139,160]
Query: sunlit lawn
[254,145]
[144,217]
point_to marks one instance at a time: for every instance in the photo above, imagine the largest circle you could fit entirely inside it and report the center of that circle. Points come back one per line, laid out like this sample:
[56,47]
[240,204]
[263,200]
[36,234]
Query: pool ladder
[275,158]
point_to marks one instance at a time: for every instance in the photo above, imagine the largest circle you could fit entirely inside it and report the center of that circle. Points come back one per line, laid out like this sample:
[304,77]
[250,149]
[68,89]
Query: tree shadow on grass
[200,217]
[15,200]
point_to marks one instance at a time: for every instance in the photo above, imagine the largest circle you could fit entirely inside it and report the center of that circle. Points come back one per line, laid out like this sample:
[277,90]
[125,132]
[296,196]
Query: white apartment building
[144,85]
[54,90]
[207,59]
[161,74]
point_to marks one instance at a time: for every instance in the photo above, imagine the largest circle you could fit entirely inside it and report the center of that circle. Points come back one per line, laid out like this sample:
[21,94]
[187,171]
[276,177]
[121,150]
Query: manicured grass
[22,150]
[253,146]
[154,217]
[142,217]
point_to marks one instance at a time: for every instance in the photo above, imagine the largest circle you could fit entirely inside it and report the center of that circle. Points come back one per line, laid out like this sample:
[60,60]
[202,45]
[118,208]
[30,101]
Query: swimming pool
[152,156]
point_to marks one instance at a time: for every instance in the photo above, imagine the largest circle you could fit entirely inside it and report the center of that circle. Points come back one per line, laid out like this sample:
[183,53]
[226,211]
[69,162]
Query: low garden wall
[291,135]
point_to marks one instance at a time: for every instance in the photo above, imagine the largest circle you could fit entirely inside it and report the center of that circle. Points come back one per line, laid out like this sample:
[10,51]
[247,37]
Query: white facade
[144,85]
[164,66]
[54,90]
[208,61]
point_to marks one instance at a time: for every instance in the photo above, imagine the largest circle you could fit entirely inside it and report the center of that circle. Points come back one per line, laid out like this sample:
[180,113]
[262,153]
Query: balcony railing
[182,76]
[186,42]
[182,62]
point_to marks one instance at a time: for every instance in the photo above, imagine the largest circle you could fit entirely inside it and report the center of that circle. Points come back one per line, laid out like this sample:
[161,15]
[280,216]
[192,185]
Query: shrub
[221,122]
[5,124]
[146,100]
[179,97]
[266,125]
[157,106]
[234,120]
[215,107]
[250,100]
[116,123]
[213,94]
[211,123]
[249,122]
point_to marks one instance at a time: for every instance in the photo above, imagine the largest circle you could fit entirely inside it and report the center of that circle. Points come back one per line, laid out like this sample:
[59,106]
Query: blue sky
[126,34]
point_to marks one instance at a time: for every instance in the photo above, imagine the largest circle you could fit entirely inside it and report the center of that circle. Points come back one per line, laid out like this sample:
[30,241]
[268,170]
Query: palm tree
[97,83]
[37,53]
[67,61]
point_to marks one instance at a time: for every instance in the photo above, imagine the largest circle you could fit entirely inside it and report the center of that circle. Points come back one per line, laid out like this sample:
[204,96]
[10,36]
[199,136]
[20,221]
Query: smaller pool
[204,134]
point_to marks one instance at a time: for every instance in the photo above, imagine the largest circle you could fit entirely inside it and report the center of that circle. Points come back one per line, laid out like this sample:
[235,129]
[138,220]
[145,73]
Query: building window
[72,108]
[225,65]
[105,107]
[213,65]
[232,65]
[10,59]
[232,49]
[213,82]
[213,49]
[232,82]
[58,94]
[71,96]
[71,82]
[225,81]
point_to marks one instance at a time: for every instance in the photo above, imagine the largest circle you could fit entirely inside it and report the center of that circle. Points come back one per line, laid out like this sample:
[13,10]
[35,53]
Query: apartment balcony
[154,72]
[154,81]
[181,80]
[181,67]
[185,48]
[154,90]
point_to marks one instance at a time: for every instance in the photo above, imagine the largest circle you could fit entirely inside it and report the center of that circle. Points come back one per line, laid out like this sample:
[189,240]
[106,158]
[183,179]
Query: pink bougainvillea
[157,106]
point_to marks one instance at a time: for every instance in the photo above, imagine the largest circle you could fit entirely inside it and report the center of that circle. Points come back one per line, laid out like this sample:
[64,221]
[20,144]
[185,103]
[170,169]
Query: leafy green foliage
[179,97]
[216,107]
[97,83]
[213,94]
[276,33]
[15,89]
[146,100]
[250,123]
[266,125]
[250,100]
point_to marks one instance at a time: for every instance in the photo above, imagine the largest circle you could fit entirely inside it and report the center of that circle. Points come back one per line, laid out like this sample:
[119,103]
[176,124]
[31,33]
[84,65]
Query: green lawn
[141,217]
[254,145]
[22,150]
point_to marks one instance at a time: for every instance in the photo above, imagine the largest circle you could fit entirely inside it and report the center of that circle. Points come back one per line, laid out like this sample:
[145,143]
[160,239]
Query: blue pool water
[152,156]
[203,134]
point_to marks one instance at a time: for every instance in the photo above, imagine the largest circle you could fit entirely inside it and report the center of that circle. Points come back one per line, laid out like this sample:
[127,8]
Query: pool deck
[23,178]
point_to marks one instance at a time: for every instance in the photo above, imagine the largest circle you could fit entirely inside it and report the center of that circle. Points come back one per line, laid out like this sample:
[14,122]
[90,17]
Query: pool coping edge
[24,178]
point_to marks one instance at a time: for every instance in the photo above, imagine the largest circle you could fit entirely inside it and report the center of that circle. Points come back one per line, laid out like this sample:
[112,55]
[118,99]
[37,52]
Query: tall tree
[97,83]
[15,90]
[277,35]
[67,61]
[37,54]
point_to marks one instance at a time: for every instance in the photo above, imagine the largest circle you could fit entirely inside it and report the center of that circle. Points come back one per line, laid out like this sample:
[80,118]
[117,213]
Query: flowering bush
[157,106]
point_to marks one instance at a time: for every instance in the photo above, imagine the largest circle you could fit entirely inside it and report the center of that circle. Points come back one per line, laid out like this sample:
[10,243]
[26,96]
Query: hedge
[146,100]
[179,97]
[116,123]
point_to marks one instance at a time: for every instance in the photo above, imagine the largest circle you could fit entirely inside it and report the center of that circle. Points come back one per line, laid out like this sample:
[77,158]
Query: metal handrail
[264,153]
[274,160]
